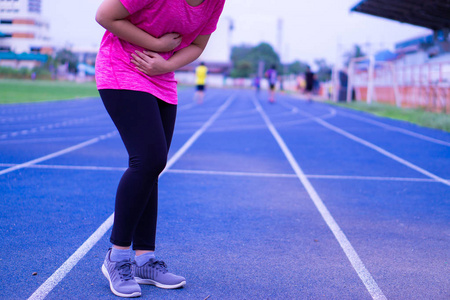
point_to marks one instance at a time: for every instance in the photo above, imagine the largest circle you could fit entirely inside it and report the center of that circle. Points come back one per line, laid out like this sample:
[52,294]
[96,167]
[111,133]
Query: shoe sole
[105,272]
[158,284]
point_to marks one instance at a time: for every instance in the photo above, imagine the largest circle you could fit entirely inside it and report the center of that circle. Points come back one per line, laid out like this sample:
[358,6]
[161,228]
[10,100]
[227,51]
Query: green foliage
[46,70]
[247,58]
[8,72]
[354,53]
[297,67]
[40,72]
[243,69]
[324,72]
[65,56]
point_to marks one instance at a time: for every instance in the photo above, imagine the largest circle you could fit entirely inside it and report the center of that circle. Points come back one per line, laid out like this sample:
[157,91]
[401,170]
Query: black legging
[146,125]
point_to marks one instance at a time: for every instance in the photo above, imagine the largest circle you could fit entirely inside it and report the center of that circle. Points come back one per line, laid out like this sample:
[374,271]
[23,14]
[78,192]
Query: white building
[22,28]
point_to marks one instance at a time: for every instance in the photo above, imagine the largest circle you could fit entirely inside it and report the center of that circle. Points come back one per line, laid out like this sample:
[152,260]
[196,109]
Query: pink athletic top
[114,69]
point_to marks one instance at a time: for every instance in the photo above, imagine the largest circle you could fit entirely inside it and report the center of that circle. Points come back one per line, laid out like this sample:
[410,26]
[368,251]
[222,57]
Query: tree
[297,67]
[65,56]
[243,69]
[356,52]
[246,59]
[324,70]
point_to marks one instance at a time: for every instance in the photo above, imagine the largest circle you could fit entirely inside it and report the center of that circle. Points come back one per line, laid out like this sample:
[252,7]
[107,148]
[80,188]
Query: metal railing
[426,86]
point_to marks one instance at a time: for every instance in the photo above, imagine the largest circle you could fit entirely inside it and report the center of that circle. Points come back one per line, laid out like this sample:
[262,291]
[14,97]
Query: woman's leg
[138,119]
[144,236]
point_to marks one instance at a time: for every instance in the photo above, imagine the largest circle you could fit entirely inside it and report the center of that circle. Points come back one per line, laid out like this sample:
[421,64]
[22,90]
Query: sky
[297,29]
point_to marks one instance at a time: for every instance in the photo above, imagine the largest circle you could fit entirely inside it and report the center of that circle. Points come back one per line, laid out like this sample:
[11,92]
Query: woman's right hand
[168,42]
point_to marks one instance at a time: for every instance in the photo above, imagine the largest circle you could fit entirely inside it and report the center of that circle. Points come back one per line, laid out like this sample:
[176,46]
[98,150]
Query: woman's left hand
[150,63]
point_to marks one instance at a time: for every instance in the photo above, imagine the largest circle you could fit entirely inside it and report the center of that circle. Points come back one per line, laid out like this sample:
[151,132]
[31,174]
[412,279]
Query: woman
[145,41]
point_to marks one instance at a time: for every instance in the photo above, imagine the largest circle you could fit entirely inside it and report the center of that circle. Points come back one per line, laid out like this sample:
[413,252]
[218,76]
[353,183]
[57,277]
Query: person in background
[200,80]
[309,80]
[300,83]
[144,43]
[257,84]
[272,77]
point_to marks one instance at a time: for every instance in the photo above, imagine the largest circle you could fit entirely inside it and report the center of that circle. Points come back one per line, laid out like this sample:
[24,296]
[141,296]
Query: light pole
[230,34]
[280,47]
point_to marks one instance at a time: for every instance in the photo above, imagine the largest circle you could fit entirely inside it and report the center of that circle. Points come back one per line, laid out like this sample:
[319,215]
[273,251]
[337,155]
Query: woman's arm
[152,63]
[112,16]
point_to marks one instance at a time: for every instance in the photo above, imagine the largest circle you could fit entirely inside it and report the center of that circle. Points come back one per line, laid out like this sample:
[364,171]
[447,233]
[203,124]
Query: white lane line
[345,244]
[225,173]
[281,175]
[44,140]
[382,151]
[372,178]
[388,127]
[376,148]
[279,124]
[69,167]
[395,128]
[58,153]
[50,126]
[65,268]
[186,106]
[329,115]
[199,132]
[193,103]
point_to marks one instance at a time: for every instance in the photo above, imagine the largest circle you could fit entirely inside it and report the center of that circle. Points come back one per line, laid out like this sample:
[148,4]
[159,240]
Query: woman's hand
[150,63]
[168,42]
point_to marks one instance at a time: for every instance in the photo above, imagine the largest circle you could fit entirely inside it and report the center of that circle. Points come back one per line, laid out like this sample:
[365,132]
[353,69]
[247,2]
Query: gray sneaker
[120,278]
[155,272]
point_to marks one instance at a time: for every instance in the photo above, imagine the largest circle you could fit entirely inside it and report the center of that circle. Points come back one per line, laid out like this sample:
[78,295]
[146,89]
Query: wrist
[169,66]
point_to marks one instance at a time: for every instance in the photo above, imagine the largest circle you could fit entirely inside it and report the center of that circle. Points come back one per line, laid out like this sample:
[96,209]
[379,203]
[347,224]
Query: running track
[258,201]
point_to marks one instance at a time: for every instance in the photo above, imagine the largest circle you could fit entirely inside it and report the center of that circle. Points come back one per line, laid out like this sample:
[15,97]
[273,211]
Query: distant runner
[309,79]
[272,77]
[200,80]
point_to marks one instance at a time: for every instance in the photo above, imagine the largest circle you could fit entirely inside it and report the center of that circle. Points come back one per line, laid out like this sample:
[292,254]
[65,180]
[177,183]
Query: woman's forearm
[187,55]
[124,30]
[184,57]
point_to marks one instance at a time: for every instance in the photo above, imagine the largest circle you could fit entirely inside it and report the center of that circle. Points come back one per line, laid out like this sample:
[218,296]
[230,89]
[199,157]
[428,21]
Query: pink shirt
[157,17]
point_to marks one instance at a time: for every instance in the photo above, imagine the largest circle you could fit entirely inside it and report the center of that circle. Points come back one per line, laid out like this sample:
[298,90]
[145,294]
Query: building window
[9,10]
[34,6]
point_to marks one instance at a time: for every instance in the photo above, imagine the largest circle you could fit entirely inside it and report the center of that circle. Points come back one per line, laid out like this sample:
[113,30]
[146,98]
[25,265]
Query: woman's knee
[152,164]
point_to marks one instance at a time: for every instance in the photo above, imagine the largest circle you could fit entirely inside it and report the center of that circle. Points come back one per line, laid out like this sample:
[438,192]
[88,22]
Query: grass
[21,91]
[416,116]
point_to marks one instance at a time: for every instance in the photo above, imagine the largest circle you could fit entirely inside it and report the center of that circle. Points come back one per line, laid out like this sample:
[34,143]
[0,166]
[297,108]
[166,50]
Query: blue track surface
[291,200]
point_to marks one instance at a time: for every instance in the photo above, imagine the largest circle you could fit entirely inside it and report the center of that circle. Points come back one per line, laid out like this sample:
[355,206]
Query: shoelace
[124,268]
[160,265]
